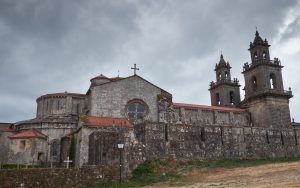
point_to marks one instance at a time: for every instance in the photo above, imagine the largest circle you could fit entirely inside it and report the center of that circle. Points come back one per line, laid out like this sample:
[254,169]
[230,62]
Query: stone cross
[68,161]
[135,69]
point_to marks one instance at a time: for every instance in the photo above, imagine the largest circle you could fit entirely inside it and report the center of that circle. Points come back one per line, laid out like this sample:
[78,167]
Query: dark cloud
[53,46]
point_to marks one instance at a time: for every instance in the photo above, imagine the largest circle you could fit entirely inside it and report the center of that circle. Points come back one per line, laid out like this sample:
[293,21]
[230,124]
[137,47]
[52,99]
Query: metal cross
[135,69]
[68,161]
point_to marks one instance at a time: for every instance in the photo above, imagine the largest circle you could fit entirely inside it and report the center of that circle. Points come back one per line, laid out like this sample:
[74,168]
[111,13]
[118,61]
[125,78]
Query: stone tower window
[272,81]
[218,99]
[254,83]
[226,75]
[219,76]
[136,110]
[58,105]
[231,97]
[264,55]
[255,56]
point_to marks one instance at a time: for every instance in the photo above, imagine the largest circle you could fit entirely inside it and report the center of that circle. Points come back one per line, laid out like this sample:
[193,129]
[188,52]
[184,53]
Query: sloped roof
[6,127]
[92,121]
[28,134]
[209,107]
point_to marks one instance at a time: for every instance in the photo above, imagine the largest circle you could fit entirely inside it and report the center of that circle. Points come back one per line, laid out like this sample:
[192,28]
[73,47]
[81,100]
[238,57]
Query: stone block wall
[85,177]
[185,142]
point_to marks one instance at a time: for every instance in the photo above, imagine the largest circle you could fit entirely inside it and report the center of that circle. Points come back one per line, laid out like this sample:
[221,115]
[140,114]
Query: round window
[136,110]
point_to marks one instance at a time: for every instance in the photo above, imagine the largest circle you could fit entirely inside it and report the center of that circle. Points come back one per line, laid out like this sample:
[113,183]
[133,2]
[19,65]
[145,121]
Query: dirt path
[271,175]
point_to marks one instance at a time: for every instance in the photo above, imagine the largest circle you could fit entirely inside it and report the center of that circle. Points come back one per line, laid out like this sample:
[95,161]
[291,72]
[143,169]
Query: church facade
[142,116]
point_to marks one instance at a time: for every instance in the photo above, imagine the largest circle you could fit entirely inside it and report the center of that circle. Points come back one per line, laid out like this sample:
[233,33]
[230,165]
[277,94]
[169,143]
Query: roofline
[63,94]
[221,108]
[140,78]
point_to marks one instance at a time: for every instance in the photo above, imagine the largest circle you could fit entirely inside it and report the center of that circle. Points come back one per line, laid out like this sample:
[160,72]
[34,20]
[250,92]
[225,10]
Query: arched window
[254,83]
[264,55]
[226,75]
[272,81]
[255,56]
[231,97]
[219,76]
[218,102]
[136,110]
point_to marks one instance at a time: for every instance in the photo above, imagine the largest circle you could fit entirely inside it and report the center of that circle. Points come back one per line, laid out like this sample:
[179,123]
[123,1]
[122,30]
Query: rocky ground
[271,175]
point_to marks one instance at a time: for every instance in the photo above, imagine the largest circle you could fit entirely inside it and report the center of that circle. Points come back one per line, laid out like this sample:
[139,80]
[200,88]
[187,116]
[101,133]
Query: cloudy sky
[58,45]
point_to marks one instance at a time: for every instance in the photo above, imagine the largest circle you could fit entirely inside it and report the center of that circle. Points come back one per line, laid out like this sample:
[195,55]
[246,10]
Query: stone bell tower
[265,97]
[224,92]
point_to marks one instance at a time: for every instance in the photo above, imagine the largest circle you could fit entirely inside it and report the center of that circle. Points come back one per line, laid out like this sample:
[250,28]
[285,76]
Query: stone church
[144,118]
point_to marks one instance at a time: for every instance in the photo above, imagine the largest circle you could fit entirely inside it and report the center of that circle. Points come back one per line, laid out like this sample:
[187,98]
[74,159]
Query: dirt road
[280,175]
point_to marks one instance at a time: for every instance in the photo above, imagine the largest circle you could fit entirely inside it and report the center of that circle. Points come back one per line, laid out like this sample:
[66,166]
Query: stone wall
[110,99]
[4,147]
[27,151]
[97,146]
[186,142]
[202,116]
[85,177]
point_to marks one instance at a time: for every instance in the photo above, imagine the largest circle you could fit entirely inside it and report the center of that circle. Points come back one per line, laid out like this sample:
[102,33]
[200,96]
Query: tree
[72,149]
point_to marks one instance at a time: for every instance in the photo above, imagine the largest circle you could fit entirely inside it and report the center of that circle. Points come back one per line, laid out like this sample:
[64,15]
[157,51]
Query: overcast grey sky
[58,45]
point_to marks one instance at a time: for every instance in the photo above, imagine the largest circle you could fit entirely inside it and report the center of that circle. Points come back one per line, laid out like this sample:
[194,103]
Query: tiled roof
[100,77]
[93,121]
[29,134]
[103,77]
[208,107]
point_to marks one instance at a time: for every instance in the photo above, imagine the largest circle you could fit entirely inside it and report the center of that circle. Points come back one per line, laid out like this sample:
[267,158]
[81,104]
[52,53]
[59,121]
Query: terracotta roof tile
[100,77]
[29,134]
[209,107]
[93,121]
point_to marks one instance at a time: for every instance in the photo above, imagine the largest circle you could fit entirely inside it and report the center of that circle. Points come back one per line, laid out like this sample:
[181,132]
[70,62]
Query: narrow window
[226,75]
[166,132]
[281,137]
[254,83]
[272,81]
[219,76]
[218,99]
[267,138]
[264,55]
[77,108]
[255,56]
[231,97]
[202,135]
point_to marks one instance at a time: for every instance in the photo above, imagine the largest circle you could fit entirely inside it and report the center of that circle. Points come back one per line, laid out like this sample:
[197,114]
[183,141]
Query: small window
[255,56]
[22,144]
[226,75]
[272,81]
[264,55]
[219,76]
[218,99]
[231,97]
[254,83]
[77,108]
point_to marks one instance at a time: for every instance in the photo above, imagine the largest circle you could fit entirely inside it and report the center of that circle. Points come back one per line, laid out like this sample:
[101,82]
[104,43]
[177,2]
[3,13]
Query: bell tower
[224,92]
[265,97]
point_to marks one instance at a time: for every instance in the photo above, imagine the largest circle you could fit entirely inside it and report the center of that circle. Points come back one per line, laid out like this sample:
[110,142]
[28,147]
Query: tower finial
[221,55]
[256,32]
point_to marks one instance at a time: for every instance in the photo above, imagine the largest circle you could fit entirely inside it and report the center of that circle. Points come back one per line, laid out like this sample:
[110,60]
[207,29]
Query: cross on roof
[135,69]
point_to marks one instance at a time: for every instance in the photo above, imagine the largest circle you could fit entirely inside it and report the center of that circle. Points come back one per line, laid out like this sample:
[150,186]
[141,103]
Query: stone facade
[134,112]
